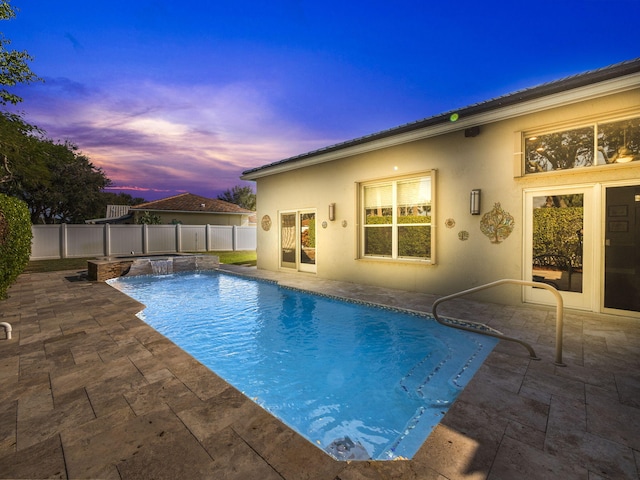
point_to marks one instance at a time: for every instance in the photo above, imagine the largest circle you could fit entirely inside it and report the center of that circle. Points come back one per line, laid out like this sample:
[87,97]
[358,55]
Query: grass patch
[43,266]
[241,257]
[245,257]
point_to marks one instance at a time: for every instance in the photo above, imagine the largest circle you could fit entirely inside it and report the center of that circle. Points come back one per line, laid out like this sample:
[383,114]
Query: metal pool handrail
[7,329]
[532,353]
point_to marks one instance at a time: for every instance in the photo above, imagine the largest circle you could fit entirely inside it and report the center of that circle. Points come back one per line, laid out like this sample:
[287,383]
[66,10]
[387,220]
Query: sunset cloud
[167,138]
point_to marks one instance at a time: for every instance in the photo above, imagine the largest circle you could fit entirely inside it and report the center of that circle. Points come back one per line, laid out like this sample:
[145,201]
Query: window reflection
[559,150]
[397,218]
[288,239]
[308,238]
[557,241]
[617,142]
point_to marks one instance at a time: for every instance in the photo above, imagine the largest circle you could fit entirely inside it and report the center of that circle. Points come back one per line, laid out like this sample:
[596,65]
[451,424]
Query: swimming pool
[356,380]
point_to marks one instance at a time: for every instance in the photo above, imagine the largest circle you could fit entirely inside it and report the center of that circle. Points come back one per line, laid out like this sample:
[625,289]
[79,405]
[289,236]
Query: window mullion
[394,220]
[595,146]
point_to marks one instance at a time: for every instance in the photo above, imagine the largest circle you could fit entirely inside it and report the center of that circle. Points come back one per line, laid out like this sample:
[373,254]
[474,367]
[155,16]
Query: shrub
[558,231]
[413,240]
[148,218]
[15,240]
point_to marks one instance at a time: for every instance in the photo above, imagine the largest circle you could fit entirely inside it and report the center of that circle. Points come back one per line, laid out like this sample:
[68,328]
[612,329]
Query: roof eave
[556,94]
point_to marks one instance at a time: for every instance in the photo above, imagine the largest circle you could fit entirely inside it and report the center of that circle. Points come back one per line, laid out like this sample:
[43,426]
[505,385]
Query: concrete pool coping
[90,391]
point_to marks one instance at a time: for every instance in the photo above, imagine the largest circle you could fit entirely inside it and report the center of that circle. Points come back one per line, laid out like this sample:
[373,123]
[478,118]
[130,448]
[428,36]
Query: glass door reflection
[557,249]
[307,241]
[288,240]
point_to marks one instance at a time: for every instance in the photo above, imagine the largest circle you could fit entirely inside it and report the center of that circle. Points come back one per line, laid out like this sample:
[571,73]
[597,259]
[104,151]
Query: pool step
[440,375]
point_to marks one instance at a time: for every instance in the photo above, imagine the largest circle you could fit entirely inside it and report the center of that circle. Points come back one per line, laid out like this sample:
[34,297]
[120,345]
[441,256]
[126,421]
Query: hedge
[413,241]
[15,240]
[558,231]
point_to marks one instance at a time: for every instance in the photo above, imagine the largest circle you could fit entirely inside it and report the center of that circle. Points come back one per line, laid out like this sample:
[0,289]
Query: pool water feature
[356,380]
[104,268]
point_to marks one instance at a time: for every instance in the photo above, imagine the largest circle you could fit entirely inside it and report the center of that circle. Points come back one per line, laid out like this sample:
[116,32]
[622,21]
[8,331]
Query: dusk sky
[170,97]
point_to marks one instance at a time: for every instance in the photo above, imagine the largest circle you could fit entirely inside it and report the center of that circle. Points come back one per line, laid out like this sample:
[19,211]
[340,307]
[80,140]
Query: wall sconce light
[332,211]
[474,204]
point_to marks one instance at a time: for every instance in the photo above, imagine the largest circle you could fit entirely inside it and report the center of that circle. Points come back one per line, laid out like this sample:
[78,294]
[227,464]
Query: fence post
[178,238]
[63,240]
[207,238]
[145,238]
[107,239]
[234,238]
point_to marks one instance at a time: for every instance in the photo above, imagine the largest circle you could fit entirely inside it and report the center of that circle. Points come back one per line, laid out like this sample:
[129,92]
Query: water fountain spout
[162,266]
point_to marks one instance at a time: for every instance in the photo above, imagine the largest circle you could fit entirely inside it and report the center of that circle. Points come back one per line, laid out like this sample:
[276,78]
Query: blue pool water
[356,380]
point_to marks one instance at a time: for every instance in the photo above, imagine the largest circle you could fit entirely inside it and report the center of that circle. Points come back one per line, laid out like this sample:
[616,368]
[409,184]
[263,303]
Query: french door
[559,245]
[298,240]
[585,241]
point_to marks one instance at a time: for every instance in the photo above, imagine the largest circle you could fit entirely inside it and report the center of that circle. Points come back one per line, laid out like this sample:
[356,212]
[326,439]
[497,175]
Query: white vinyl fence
[69,241]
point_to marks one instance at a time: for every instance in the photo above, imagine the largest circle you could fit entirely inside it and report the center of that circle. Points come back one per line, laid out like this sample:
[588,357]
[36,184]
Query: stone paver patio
[87,390]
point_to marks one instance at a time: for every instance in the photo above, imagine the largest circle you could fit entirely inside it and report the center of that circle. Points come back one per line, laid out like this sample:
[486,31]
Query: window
[396,219]
[599,144]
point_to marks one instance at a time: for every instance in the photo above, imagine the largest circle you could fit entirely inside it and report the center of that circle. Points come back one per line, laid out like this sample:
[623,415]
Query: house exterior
[115,214]
[190,209]
[542,184]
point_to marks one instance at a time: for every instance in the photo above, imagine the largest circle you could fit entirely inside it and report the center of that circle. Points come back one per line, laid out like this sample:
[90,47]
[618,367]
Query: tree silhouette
[560,150]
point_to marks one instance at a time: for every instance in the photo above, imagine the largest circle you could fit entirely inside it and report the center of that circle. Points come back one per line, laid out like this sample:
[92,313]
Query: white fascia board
[607,87]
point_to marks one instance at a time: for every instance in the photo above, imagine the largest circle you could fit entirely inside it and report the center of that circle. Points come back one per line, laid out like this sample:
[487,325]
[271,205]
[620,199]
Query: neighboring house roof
[188,202]
[470,116]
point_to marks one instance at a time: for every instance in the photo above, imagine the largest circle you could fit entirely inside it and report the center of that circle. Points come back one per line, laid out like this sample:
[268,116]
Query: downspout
[7,328]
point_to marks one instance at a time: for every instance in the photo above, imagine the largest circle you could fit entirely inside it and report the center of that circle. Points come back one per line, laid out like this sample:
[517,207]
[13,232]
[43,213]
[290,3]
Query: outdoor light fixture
[474,204]
[332,211]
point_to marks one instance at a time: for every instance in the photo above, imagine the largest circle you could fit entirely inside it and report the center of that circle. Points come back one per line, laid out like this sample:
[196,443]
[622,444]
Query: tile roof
[188,202]
[556,86]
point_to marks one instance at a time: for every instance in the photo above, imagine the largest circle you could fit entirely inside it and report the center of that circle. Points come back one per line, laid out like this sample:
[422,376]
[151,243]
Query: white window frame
[393,181]
[597,160]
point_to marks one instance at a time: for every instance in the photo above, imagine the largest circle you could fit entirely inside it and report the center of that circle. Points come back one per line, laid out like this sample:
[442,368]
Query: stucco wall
[485,161]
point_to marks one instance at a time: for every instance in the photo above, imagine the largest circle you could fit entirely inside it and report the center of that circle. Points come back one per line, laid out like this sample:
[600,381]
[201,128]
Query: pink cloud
[166,138]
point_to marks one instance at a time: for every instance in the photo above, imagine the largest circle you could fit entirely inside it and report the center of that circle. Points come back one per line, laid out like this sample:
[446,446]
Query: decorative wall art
[266,223]
[463,235]
[449,223]
[497,224]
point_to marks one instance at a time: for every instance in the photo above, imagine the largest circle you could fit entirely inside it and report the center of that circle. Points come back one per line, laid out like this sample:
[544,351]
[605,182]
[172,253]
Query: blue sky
[169,97]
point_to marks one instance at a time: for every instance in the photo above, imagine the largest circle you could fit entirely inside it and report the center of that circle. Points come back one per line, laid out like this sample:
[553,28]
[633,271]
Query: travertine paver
[90,391]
